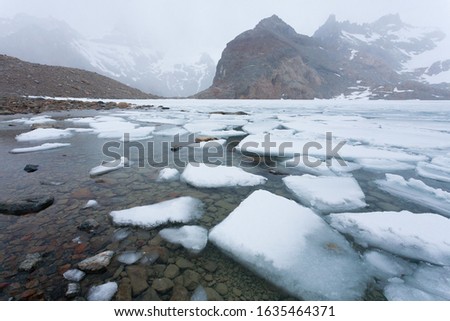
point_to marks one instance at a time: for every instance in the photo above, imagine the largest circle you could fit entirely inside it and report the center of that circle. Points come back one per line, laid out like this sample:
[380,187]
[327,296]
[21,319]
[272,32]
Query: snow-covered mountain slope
[132,62]
[417,53]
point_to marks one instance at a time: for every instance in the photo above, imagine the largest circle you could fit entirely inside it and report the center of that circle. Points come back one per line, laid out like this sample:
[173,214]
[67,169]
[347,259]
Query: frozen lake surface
[373,157]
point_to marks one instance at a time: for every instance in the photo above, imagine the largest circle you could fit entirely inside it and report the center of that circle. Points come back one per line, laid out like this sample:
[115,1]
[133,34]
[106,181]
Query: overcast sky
[207,25]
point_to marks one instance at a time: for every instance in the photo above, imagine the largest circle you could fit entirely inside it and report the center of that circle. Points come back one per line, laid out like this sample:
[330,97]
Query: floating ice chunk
[199,294]
[171,132]
[46,146]
[417,236]
[104,292]
[112,127]
[33,120]
[91,203]
[433,171]
[205,125]
[191,237]
[385,266]
[74,275]
[405,292]
[44,134]
[129,257]
[443,160]
[178,210]
[210,144]
[417,192]
[136,134]
[326,193]
[432,279]
[375,164]
[109,166]
[261,126]
[292,247]
[203,175]
[168,174]
[284,146]
[308,165]
[222,133]
[121,234]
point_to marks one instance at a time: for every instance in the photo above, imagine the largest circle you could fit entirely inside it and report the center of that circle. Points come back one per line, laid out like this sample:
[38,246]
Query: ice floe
[326,193]
[417,192]
[292,247]
[179,210]
[261,126]
[191,237]
[383,165]
[74,275]
[44,134]
[168,174]
[204,175]
[104,292]
[283,146]
[90,204]
[109,166]
[385,266]
[434,171]
[428,282]
[129,257]
[46,146]
[43,119]
[417,236]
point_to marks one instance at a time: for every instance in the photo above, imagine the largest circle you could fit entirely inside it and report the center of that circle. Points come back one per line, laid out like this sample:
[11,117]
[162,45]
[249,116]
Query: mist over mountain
[386,59]
[124,55]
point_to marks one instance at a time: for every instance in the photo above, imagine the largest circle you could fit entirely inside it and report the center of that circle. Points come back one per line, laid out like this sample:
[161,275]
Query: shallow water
[54,231]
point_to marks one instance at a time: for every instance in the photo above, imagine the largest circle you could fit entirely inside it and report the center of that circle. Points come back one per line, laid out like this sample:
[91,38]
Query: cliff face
[272,61]
[20,78]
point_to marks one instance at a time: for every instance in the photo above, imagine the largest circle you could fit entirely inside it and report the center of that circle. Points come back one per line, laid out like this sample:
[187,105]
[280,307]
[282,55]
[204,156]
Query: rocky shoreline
[24,105]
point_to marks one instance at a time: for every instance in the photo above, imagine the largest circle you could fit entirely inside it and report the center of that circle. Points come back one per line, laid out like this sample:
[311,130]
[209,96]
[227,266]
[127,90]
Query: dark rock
[210,266]
[88,225]
[150,295]
[184,264]
[172,271]
[213,295]
[221,288]
[28,205]
[30,168]
[191,279]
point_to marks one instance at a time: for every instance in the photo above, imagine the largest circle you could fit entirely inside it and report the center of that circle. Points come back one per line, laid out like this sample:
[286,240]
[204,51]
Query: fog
[182,27]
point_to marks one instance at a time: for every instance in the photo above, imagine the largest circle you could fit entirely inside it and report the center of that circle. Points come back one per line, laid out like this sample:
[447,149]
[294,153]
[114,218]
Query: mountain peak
[275,24]
[390,20]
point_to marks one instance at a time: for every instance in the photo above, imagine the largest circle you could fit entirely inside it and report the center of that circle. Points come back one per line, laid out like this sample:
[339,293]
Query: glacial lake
[407,134]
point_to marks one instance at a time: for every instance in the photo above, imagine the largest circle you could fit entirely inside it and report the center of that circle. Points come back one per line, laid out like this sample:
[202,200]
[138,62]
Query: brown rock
[162,285]
[191,279]
[150,295]
[172,271]
[82,193]
[179,293]
[213,295]
[124,291]
[138,278]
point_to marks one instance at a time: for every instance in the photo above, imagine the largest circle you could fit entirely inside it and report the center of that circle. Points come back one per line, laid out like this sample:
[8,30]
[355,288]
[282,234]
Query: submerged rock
[96,263]
[25,206]
[30,262]
[88,225]
[30,168]
[73,289]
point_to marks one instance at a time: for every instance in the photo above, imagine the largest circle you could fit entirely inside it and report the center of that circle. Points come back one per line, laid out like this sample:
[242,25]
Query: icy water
[54,231]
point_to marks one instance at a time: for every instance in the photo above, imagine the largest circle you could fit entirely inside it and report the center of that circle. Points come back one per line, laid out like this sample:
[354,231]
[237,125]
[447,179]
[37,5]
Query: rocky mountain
[20,78]
[129,58]
[386,59]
